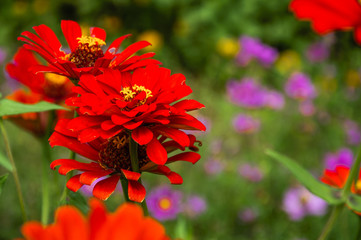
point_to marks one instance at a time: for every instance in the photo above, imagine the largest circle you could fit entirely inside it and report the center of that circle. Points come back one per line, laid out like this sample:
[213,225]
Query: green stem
[64,196]
[14,171]
[133,151]
[331,221]
[358,236]
[124,183]
[45,195]
[352,176]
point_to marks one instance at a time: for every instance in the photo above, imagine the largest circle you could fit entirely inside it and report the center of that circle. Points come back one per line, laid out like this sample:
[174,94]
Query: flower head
[342,157]
[213,166]
[126,223]
[194,206]
[317,52]
[164,203]
[111,159]
[300,87]
[353,132]
[299,202]
[250,173]
[327,16]
[86,54]
[274,100]
[252,48]
[246,124]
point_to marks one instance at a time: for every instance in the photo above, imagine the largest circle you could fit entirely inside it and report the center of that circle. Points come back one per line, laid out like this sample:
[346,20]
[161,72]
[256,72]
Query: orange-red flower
[111,158]
[142,103]
[51,87]
[329,15]
[338,178]
[126,223]
[86,54]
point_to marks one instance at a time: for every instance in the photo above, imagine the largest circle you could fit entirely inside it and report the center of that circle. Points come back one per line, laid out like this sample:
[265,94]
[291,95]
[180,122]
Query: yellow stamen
[91,41]
[358,185]
[130,93]
[165,203]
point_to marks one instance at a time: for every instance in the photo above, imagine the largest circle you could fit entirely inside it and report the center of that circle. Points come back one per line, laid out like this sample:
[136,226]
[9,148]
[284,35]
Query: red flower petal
[156,152]
[186,156]
[67,165]
[88,135]
[142,135]
[89,177]
[136,191]
[174,178]
[71,31]
[188,105]
[130,175]
[74,184]
[98,33]
[180,137]
[106,187]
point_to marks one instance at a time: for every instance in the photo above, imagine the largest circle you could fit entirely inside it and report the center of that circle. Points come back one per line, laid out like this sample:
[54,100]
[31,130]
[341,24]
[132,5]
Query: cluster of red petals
[338,178]
[89,172]
[47,45]
[126,223]
[329,15]
[38,83]
[105,110]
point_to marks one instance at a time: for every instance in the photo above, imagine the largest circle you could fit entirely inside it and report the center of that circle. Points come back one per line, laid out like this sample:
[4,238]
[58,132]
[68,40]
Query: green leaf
[5,162]
[9,107]
[354,202]
[3,179]
[77,200]
[329,194]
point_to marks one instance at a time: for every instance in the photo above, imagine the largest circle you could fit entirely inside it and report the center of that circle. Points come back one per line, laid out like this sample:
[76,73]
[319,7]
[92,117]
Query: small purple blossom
[274,100]
[343,157]
[307,108]
[250,173]
[353,132]
[246,124]
[299,202]
[164,203]
[195,206]
[248,215]
[318,52]
[213,166]
[246,93]
[254,49]
[300,87]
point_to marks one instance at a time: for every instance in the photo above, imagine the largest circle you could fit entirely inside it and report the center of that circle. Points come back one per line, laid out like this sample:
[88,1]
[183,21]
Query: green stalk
[352,176]
[133,151]
[14,171]
[331,221]
[64,196]
[124,183]
[358,236]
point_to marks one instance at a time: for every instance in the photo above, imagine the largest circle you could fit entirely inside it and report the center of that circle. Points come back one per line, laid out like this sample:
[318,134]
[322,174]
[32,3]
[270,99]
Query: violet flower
[353,132]
[245,124]
[343,157]
[194,206]
[300,87]
[250,173]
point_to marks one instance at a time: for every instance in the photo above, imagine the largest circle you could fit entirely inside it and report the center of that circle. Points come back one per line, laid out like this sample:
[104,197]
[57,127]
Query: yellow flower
[353,78]
[152,36]
[228,47]
[289,61]
[40,6]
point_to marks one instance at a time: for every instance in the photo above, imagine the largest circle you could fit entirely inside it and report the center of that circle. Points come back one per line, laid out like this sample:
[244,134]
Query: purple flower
[213,166]
[246,93]
[194,206]
[300,87]
[274,100]
[251,173]
[248,215]
[164,203]
[343,157]
[307,108]
[246,124]
[353,132]
[317,52]
[254,49]
[299,202]
[2,55]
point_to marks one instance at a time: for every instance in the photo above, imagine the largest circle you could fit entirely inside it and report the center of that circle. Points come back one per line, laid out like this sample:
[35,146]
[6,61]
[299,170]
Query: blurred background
[267,81]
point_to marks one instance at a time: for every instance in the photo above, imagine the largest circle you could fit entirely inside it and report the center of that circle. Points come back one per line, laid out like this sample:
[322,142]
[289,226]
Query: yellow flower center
[165,203]
[91,41]
[358,185]
[55,86]
[130,92]
[55,79]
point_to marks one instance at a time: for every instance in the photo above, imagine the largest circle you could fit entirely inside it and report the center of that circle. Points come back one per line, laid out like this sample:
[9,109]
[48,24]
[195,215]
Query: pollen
[165,203]
[114,154]
[87,52]
[130,92]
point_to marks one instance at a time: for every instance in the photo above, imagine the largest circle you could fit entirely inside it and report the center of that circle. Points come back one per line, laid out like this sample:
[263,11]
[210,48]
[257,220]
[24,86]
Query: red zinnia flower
[330,15]
[52,87]
[111,158]
[86,55]
[139,103]
[126,223]
[338,178]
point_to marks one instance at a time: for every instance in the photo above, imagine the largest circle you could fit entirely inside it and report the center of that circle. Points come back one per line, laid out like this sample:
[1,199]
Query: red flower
[86,55]
[338,179]
[329,15]
[52,87]
[139,103]
[111,158]
[126,223]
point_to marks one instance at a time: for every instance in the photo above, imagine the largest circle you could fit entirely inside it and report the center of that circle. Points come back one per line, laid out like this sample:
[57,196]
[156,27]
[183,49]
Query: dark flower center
[87,52]
[55,86]
[114,154]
